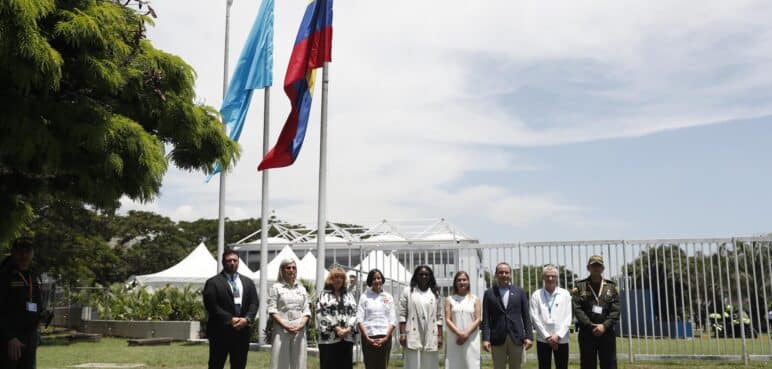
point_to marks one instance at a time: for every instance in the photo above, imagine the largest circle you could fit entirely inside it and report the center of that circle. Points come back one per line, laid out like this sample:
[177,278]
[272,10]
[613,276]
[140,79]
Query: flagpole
[221,221]
[263,306]
[322,215]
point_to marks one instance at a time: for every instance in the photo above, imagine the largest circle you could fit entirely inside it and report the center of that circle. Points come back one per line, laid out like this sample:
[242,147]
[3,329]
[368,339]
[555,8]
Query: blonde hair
[284,263]
[334,272]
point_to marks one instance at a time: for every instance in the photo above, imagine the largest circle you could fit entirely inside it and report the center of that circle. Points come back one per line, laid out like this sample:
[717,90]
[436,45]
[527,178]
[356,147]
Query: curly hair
[432,280]
[334,272]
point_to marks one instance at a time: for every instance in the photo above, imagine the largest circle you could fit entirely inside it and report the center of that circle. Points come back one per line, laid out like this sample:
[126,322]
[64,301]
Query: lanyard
[28,284]
[597,299]
[550,300]
[234,286]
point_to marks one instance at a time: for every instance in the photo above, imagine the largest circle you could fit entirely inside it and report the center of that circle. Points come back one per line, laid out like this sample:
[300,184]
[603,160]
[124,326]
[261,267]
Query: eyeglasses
[290,267]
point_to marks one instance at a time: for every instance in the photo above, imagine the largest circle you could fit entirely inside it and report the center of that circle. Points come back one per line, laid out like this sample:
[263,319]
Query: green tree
[532,277]
[148,242]
[205,230]
[89,108]
[71,244]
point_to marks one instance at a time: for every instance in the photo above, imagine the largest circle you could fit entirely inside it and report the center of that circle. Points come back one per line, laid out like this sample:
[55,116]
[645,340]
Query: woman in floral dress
[336,312]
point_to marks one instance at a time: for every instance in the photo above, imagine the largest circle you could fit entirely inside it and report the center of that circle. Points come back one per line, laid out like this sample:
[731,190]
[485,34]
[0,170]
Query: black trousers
[376,358]
[593,349]
[339,355]
[544,353]
[27,360]
[229,343]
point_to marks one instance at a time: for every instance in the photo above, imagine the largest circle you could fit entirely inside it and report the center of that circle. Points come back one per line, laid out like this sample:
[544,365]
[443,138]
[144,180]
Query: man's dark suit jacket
[218,301]
[498,322]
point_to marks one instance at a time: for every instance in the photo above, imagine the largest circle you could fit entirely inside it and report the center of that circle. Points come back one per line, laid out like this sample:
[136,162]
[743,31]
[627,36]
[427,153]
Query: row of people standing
[504,317]
[509,319]
[420,322]
[337,312]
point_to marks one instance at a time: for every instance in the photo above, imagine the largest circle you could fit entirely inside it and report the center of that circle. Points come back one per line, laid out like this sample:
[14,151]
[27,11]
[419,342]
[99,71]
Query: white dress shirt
[376,311]
[551,314]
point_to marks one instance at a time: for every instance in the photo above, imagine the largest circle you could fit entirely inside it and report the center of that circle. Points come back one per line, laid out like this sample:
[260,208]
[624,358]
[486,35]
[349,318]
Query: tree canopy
[90,111]
[79,246]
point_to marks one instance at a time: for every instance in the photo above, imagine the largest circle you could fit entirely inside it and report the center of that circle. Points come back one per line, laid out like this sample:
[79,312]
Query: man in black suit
[506,325]
[231,304]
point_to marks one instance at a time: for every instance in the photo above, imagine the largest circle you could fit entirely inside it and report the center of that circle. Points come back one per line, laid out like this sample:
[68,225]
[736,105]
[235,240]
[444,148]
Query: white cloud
[413,87]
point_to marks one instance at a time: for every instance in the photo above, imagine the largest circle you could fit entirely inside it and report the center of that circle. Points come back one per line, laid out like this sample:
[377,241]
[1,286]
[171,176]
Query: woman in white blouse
[377,319]
[335,316]
[288,307]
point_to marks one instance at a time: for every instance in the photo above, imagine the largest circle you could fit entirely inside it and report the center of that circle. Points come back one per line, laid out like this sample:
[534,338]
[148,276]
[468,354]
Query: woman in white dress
[462,317]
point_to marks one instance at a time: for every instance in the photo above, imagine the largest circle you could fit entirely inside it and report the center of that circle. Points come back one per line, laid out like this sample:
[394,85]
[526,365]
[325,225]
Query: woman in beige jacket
[420,320]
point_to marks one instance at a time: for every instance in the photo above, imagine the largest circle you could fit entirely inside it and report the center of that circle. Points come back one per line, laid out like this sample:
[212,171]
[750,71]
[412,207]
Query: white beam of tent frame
[424,232]
[282,230]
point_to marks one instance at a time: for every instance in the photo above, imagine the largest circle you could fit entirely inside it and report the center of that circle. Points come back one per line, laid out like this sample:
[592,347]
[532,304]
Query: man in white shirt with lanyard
[551,316]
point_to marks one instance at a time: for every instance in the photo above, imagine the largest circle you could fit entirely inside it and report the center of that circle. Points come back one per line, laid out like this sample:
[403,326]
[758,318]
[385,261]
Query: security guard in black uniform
[596,308]
[20,308]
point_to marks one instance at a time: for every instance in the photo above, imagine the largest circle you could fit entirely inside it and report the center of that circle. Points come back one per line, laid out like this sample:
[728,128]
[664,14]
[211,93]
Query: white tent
[307,268]
[194,269]
[273,266]
[389,265]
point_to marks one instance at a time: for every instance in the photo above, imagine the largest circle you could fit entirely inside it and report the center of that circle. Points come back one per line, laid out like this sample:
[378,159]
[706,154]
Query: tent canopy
[307,268]
[194,269]
[388,264]
[273,266]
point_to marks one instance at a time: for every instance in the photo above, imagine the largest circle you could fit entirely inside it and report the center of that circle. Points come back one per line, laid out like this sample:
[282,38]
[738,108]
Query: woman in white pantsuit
[288,307]
[462,317]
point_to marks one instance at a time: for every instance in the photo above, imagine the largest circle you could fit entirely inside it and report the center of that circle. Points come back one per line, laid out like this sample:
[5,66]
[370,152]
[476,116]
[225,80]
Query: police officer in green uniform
[596,308]
[20,308]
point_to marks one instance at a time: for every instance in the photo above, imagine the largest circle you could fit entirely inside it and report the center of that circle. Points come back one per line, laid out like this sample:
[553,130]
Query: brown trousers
[376,358]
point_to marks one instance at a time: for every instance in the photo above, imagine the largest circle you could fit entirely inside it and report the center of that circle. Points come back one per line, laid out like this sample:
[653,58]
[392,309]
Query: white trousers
[288,351]
[415,359]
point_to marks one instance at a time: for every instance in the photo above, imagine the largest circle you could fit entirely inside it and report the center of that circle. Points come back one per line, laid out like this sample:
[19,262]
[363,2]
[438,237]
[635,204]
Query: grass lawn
[182,356]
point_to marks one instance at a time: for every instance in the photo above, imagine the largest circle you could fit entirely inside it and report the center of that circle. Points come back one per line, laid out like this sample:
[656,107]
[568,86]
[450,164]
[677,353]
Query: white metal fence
[681,298]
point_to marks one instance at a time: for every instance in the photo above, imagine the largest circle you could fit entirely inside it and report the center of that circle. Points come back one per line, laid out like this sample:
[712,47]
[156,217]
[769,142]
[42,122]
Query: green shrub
[167,303]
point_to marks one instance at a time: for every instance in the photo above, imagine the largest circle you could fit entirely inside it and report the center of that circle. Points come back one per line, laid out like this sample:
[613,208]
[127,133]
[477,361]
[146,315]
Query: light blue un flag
[254,70]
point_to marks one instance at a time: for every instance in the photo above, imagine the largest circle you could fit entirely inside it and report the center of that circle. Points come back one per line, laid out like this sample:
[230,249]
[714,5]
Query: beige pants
[415,359]
[509,352]
[288,351]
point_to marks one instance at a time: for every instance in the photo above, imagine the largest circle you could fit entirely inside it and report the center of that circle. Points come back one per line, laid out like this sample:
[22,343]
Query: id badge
[32,307]
[237,300]
[597,309]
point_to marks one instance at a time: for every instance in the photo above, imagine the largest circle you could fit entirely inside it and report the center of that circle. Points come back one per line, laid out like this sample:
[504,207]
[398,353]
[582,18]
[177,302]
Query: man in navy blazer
[506,324]
[231,302]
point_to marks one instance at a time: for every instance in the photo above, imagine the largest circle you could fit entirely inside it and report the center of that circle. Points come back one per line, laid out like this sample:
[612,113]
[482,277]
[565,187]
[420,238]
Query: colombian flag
[313,47]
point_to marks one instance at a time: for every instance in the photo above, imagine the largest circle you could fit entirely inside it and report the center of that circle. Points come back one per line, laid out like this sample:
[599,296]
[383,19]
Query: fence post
[520,261]
[740,302]
[627,303]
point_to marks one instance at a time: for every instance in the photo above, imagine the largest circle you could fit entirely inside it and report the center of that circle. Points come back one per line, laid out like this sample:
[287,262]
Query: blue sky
[516,121]
[708,181]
